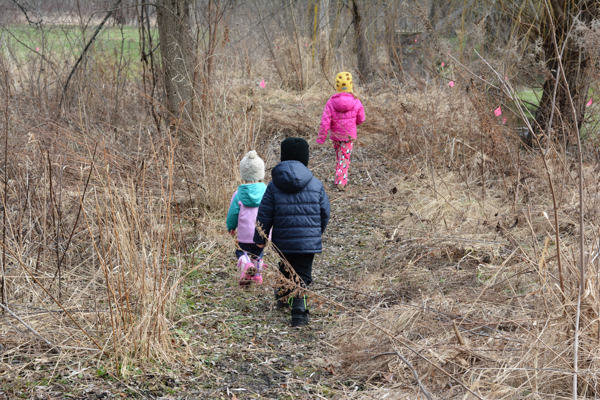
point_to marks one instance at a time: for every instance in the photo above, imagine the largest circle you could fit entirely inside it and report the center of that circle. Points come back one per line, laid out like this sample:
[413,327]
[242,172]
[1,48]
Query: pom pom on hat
[252,167]
[343,82]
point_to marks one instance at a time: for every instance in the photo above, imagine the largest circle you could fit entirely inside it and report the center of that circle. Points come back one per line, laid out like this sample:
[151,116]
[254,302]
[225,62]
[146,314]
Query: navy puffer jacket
[296,206]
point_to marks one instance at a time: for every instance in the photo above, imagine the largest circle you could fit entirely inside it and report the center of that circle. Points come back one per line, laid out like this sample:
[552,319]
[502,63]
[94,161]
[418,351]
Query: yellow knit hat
[343,82]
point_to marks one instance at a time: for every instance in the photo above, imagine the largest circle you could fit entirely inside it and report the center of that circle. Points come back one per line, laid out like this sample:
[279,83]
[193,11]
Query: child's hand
[232,232]
[262,246]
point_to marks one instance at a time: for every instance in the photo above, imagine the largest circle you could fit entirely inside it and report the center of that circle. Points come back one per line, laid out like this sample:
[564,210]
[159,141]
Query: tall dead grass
[104,204]
[470,241]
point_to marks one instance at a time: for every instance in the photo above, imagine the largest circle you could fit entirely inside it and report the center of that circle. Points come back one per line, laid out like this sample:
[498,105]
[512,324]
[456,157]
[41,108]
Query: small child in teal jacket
[242,217]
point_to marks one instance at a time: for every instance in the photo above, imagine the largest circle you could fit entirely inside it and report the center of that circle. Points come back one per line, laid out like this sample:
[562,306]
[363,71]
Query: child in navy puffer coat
[242,216]
[297,209]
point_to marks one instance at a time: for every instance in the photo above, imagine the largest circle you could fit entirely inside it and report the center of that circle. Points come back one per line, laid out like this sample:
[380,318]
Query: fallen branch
[29,327]
[409,365]
[458,335]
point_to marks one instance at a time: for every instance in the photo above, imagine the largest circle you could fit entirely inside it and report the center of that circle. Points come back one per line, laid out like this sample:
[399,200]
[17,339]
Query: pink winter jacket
[341,115]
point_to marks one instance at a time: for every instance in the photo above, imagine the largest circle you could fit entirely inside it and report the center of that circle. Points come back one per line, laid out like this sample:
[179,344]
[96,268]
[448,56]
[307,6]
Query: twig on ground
[409,365]
[29,327]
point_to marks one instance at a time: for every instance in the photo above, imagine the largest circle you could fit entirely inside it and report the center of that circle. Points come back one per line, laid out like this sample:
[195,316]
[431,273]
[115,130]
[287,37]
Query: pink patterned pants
[342,154]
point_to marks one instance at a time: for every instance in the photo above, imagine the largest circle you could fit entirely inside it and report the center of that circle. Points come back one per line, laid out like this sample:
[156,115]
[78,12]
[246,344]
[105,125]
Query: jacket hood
[291,176]
[343,102]
[251,194]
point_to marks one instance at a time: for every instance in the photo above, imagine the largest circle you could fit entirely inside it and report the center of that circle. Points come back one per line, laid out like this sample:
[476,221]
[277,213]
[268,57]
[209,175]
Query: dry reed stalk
[29,327]
[581,210]
[3,293]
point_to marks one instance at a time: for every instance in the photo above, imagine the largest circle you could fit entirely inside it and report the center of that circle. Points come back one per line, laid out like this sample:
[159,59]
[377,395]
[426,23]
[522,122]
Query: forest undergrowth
[441,257]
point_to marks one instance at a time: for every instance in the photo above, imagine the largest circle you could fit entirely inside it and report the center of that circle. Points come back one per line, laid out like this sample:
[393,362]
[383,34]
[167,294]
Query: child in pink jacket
[343,112]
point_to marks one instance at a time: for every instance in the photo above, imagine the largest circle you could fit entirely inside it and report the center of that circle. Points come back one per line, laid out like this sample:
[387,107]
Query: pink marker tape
[589,103]
[442,65]
[498,112]
[503,120]
[451,83]
[262,83]
[37,49]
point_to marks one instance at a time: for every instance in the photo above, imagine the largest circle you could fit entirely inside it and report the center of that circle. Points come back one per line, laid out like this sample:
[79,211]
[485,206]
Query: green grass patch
[71,40]
[531,99]
[65,43]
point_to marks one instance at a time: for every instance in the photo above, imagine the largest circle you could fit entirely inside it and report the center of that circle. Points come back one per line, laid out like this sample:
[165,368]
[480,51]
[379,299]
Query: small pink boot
[257,278]
[250,270]
[246,269]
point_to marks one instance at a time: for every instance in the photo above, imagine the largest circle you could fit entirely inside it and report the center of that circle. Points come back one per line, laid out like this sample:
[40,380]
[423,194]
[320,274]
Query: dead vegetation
[455,265]
[468,260]
[441,261]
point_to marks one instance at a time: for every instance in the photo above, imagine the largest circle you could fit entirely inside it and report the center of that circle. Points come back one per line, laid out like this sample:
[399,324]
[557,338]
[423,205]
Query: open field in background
[443,250]
[22,40]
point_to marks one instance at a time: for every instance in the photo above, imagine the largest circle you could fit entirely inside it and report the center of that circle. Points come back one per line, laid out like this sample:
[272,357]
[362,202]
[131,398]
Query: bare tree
[392,41]
[324,25]
[214,15]
[556,32]
[362,47]
[172,17]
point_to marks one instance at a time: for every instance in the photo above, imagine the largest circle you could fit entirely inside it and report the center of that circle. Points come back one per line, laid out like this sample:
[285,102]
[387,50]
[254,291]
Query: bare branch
[87,46]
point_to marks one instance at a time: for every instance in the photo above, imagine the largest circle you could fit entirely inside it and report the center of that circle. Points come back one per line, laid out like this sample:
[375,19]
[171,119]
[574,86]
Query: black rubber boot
[279,299]
[299,311]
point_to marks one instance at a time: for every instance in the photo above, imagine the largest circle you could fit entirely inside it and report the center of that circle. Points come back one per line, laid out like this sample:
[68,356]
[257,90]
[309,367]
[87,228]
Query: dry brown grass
[468,240]
[464,242]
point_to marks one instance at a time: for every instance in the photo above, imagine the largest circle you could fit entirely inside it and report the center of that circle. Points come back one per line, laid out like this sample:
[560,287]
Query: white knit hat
[252,167]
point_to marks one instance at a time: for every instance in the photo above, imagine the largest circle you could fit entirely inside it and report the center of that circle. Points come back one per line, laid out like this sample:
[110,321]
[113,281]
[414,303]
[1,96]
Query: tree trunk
[362,47]
[276,63]
[577,66]
[324,19]
[577,73]
[324,41]
[391,39]
[172,17]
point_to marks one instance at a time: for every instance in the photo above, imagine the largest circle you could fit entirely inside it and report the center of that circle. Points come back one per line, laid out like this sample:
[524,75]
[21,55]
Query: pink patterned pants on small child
[342,154]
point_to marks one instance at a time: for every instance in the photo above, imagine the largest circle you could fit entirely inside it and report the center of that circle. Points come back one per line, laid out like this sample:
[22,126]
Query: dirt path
[245,347]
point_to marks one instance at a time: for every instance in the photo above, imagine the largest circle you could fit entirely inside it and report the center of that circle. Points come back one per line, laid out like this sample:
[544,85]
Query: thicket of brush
[105,201]
[479,294]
